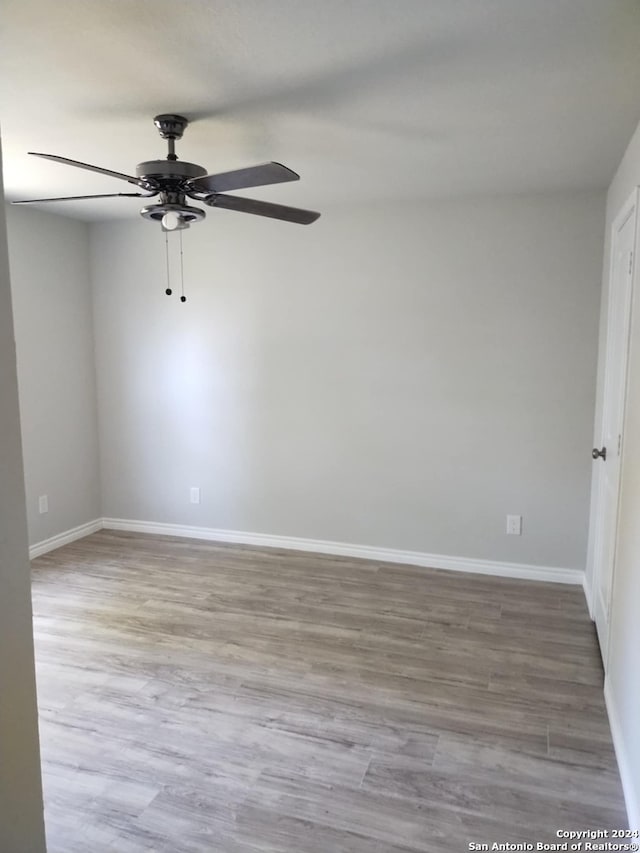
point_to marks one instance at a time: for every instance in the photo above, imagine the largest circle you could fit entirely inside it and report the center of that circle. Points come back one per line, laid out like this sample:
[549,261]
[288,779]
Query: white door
[608,454]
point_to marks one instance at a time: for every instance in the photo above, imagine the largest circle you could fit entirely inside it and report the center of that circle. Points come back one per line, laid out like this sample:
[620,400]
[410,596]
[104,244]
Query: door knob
[603,453]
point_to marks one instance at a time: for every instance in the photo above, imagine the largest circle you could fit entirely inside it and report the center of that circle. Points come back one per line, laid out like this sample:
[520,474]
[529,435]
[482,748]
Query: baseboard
[343,549]
[64,538]
[629,784]
[522,571]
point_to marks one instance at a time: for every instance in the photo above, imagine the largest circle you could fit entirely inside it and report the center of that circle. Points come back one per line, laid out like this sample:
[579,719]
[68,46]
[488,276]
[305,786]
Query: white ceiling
[367,99]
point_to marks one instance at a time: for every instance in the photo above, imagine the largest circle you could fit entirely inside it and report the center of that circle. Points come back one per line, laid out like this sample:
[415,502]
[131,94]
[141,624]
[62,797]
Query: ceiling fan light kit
[175,181]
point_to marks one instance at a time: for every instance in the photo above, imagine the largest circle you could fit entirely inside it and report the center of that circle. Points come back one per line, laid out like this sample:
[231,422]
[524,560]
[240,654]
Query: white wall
[21,822]
[49,260]
[623,676]
[398,376]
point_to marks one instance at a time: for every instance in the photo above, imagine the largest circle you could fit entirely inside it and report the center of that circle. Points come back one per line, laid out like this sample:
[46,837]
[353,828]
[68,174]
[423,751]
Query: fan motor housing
[172,170]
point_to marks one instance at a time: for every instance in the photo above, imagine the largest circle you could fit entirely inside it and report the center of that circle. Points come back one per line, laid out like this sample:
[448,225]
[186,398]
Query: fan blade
[253,176]
[87,166]
[79,197]
[263,208]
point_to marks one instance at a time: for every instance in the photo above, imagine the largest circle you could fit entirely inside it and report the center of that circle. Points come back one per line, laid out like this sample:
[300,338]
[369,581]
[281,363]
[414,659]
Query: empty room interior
[320,479]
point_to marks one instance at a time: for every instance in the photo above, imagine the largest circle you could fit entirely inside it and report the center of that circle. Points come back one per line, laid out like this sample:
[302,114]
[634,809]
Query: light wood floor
[222,699]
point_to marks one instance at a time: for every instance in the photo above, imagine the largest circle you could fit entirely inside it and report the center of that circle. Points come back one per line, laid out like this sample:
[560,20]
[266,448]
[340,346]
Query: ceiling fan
[175,181]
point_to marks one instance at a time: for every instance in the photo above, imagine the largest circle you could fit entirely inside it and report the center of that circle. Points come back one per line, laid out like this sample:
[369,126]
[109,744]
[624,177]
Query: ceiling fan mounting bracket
[170,126]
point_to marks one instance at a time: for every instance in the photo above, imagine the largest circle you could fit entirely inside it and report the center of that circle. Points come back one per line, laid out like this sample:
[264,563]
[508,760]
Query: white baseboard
[318,546]
[629,783]
[344,549]
[64,538]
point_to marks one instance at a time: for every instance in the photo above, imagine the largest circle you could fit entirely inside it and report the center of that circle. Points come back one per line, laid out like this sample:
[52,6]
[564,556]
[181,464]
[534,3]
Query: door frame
[595,543]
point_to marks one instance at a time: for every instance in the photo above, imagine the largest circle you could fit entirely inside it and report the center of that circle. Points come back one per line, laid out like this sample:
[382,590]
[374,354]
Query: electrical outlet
[43,504]
[514,525]
[195,495]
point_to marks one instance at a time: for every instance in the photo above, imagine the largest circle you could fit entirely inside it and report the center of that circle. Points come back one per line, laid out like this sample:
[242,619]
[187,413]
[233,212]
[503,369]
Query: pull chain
[183,298]
[168,291]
